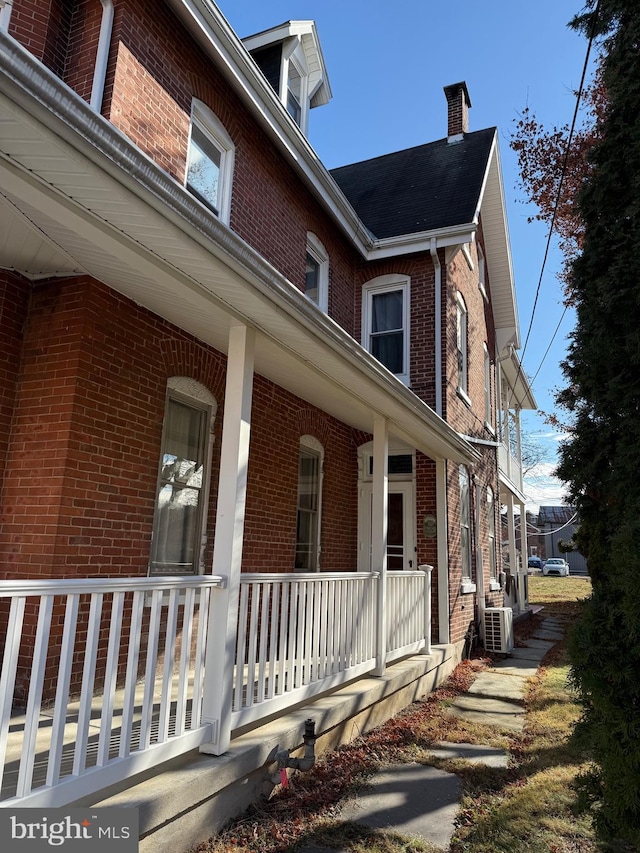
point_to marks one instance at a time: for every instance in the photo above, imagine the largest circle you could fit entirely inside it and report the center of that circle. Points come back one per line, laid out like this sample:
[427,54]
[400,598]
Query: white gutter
[438,322]
[102,55]
[5,14]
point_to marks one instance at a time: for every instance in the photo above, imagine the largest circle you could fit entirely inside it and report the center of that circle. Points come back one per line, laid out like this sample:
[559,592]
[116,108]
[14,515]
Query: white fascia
[403,244]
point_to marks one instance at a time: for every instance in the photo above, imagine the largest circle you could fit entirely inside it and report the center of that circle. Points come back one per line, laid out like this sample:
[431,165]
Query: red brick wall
[470,420]
[14,300]
[157,72]
[80,477]
[84,32]
[42,27]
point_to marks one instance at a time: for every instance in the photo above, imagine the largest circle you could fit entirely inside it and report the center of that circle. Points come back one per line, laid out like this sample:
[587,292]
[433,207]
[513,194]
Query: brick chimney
[458,103]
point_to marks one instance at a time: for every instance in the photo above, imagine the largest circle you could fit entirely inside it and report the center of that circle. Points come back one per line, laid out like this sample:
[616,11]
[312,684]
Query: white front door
[400,532]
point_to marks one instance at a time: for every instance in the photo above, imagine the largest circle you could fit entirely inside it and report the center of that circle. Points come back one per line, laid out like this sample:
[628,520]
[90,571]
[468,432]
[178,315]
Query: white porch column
[379,522]
[443,551]
[229,534]
[511,533]
[523,598]
[427,608]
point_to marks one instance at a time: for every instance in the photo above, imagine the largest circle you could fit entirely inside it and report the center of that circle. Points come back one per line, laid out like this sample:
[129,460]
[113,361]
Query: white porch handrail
[147,628]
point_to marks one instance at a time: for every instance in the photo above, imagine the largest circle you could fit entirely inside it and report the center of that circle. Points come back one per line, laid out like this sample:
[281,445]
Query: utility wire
[546,353]
[557,201]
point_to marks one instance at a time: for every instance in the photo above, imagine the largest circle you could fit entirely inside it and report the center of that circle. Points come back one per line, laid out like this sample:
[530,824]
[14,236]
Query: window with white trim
[482,271]
[209,172]
[179,523]
[488,408]
[317,272]
[461,346]
[294,93]
[491,528]
[385,322]
[309,505]
[465,527]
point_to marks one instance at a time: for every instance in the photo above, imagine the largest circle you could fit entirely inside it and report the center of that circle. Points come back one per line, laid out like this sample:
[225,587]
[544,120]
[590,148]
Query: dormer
[290,57]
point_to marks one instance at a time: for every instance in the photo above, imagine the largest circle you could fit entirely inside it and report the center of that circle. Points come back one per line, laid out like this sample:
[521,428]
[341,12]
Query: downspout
[6,7]
[102,55]
[480,595]
[438,323]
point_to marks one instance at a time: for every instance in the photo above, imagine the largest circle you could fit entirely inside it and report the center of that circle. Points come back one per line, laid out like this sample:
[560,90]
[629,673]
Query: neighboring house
[233,383]
[558,524]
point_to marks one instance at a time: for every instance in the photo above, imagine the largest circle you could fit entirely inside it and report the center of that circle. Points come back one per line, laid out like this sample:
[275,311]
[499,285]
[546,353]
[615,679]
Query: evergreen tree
[601,461]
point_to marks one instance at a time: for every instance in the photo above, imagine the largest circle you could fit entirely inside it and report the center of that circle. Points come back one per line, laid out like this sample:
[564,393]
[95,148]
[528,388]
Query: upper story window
[482,273]
[182,492]
[385,322]
[488,408]
[316,285]
[294,93]
[309,505]
[465,525]
[461,347]
[210,161]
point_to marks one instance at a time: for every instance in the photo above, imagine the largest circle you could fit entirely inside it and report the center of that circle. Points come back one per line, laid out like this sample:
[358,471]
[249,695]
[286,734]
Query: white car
[556,566]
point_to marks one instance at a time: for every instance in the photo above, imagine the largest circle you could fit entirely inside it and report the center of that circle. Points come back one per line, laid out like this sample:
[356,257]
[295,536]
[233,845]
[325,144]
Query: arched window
[461,346]
[210,157]
[482,271]
[465,524]
[182,494]
[317,273]
[310,464]
[488,408]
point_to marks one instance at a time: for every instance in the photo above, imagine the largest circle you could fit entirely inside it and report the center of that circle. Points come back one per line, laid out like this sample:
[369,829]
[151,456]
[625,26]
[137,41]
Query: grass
[525,808]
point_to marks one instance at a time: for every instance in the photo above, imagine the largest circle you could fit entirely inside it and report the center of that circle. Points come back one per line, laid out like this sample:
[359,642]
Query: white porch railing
[299,635]
[409,606]
[133,651]
[510,466]
[81,635]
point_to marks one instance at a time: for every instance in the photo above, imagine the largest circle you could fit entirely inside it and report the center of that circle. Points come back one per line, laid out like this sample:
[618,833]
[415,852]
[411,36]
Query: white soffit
[498,248]
[120,231]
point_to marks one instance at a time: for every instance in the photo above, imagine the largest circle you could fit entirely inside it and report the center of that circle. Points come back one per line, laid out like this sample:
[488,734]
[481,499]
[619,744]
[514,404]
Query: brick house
[222,361]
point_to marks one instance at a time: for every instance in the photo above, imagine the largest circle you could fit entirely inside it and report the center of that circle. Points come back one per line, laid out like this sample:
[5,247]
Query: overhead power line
[556,203]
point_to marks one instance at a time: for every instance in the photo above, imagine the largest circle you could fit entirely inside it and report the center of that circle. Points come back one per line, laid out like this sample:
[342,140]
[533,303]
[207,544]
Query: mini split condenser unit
[498,629]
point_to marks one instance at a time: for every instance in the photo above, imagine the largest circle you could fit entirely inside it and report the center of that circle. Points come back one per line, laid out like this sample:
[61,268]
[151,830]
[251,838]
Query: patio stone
[489,711]
[491,756]
[412,799]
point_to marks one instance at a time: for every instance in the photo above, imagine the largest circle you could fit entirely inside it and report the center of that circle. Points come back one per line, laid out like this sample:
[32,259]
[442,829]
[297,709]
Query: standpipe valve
[283,756]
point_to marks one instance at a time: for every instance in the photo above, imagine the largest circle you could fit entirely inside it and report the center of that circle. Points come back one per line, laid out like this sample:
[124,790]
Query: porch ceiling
[78,197]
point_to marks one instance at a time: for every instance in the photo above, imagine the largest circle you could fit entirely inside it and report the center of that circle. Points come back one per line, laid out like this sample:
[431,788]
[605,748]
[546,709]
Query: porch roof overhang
[79,198]
[520,393]
[508,487]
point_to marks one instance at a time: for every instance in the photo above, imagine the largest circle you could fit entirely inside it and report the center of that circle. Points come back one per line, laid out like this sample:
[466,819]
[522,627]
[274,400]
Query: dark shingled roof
[555,514]
[436,185]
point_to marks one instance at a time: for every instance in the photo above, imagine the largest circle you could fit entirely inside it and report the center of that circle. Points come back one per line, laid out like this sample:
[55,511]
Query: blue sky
[388,64]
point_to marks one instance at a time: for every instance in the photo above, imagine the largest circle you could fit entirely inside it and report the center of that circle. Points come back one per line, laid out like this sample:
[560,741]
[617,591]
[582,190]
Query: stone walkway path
[423,801]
